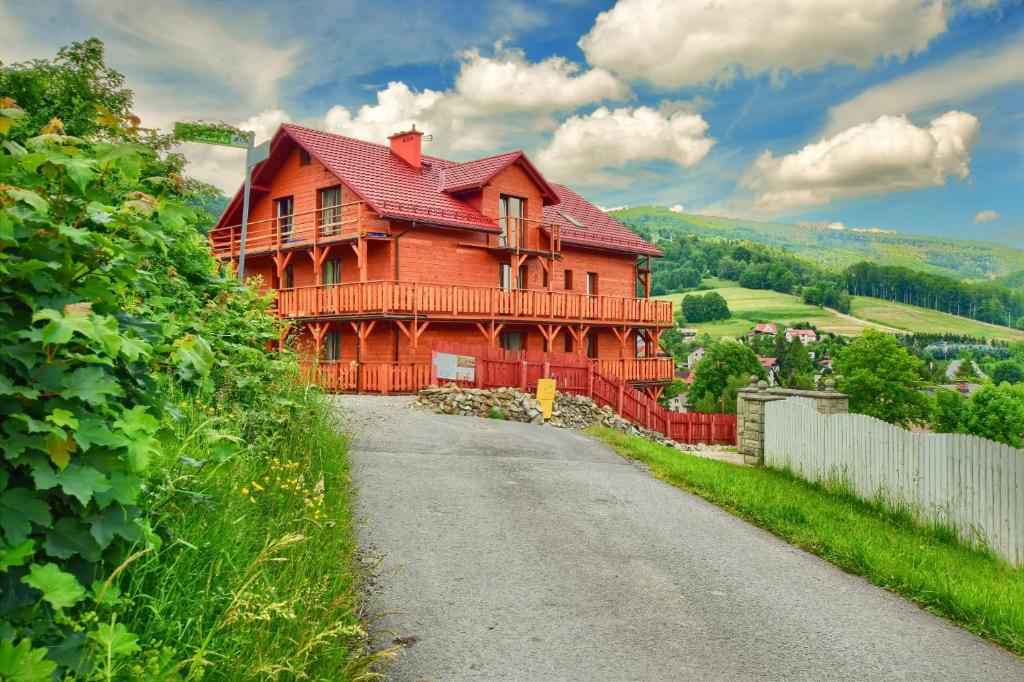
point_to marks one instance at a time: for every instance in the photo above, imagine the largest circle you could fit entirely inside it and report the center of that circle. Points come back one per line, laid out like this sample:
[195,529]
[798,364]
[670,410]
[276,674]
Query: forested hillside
[837,249]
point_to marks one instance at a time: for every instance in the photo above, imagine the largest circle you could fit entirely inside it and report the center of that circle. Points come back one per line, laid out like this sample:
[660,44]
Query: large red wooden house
[379,252]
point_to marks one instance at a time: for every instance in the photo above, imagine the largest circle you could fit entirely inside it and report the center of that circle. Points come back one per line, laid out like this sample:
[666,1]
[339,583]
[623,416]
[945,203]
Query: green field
[750,306]
[836,249]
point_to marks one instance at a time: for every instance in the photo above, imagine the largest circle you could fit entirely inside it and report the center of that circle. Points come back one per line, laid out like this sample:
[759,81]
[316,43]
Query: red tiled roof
[395,189]
[387,183]
[600,229]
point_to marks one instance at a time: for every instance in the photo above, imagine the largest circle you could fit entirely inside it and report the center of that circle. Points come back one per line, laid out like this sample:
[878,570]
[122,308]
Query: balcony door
[511,214]
[330,211]
[332,272]
[284,208]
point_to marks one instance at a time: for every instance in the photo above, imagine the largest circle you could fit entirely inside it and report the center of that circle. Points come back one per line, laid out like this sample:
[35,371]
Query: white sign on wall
[455,367]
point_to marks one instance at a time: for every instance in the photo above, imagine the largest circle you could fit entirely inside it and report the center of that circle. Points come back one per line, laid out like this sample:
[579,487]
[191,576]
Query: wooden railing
[471,303]
[638,369]
[368,377]
[308,228]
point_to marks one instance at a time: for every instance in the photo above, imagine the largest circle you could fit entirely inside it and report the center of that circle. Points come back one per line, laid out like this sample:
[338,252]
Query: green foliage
[724,369]
[997,413]
[881,378]
[495,413]
[1010,371]
[885,545]
[77,88]
[704,307]
[948,411]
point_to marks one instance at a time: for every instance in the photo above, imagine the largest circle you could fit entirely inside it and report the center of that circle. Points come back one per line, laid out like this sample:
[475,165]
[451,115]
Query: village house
[805,335]
[694,357]
[379,253]
[763,328]
[771,367]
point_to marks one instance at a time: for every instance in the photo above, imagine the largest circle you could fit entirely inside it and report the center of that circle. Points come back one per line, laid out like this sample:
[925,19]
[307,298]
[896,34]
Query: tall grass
[258,575]
[884,544]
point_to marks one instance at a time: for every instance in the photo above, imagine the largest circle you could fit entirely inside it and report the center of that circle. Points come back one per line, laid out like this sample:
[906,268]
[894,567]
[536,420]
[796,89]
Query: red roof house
[379,253]
[764,328]
[805,335]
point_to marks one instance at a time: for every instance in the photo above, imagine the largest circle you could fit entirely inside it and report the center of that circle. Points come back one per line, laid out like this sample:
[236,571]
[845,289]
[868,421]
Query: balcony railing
[308,228]
[457,302]
[410,377]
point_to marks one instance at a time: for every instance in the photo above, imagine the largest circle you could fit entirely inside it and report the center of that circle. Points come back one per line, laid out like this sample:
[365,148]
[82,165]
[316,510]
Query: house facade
[379,254]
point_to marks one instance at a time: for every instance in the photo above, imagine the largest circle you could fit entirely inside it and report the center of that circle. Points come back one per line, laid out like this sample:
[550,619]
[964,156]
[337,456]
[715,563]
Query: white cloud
[957,80]
[677,44]
[678,208]
[507,83]
[985,216]
[492,97]
[886,155]
[584,145]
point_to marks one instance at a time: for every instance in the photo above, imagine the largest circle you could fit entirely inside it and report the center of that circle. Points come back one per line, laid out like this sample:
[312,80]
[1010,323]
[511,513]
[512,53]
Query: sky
[897,114]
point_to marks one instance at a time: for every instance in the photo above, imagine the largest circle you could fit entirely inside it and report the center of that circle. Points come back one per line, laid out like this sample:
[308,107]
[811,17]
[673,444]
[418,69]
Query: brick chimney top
[406,145]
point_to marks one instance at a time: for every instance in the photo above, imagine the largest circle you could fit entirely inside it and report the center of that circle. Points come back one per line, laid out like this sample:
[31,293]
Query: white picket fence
[971,483]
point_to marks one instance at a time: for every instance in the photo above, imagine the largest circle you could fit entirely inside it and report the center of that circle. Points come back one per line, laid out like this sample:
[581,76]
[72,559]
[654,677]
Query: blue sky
[901,114]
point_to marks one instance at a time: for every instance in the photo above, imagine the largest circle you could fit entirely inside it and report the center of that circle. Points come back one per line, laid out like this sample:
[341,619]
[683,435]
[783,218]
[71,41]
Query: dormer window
[304,158]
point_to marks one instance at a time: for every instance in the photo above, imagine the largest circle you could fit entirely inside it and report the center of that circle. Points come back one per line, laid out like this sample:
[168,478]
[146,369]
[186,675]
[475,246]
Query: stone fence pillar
[750,422]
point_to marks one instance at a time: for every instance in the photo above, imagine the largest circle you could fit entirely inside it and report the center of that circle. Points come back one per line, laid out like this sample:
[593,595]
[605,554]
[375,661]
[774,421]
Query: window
[304,158]
[329,214]
[567,342]
[289,278]
[513,340]
[331,273]
[568,280]
[283,210]
[523,278]
[332,346]
[511,212]
[543,279]
[591,284]
[505,276]
[591,345]
[572,219]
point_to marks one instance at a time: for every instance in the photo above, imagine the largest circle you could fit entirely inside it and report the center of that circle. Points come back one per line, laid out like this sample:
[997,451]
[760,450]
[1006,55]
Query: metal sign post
[229,137]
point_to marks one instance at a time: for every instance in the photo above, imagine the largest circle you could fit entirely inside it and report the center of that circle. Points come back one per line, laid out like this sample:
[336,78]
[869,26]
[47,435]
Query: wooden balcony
[456,302]
[299,230]
[639,370]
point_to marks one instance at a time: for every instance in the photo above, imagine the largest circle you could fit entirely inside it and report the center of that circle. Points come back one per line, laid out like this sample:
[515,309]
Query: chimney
[406,146]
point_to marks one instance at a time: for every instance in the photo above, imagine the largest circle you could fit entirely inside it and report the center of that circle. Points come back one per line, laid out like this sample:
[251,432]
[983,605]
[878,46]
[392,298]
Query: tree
[794,362]
[997,412]
[725,367]
[704,308]
[1009,371]
[77,88]
[881,378]
[948,411]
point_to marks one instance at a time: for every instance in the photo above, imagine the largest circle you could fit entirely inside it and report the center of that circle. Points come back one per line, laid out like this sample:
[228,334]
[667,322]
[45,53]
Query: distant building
[771,366]
[964,388]
[693,358]
[764,328]
[688,332]
[679,403]
[805,335]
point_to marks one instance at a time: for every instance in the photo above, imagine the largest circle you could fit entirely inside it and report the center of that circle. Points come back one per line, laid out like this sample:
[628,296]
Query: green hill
[749,306]
[836,249]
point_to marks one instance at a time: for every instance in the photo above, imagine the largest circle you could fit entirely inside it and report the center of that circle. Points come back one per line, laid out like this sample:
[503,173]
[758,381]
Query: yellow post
[546,396]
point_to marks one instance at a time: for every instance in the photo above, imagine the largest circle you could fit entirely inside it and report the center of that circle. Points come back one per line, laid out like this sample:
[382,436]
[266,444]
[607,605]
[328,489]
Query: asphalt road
[532,553]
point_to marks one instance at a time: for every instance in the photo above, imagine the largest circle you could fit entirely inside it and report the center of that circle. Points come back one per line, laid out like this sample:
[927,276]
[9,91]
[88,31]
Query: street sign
[211,134]
[546,396]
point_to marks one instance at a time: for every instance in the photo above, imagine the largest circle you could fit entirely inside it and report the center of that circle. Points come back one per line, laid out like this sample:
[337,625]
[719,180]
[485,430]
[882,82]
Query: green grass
[837,249]
[913,318]
[928,566]
[749,306]
[261,579]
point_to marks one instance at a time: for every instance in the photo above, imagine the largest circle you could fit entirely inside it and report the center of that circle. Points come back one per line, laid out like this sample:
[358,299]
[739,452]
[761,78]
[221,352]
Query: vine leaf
[61,589]
[91,384]
[69,536]
[22,663]
[115,639]
[19,509]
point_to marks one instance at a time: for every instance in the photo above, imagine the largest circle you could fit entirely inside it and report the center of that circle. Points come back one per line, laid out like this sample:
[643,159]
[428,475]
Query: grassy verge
[257,577]
[926,565]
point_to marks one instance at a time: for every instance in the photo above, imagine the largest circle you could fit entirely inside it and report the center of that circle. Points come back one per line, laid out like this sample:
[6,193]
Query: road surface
[533,553]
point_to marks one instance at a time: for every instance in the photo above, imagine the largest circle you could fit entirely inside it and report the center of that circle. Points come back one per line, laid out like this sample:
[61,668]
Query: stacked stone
[569,411]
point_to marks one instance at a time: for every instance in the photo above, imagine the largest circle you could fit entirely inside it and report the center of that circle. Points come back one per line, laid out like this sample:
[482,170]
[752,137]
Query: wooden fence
[973,484]
[496,368]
